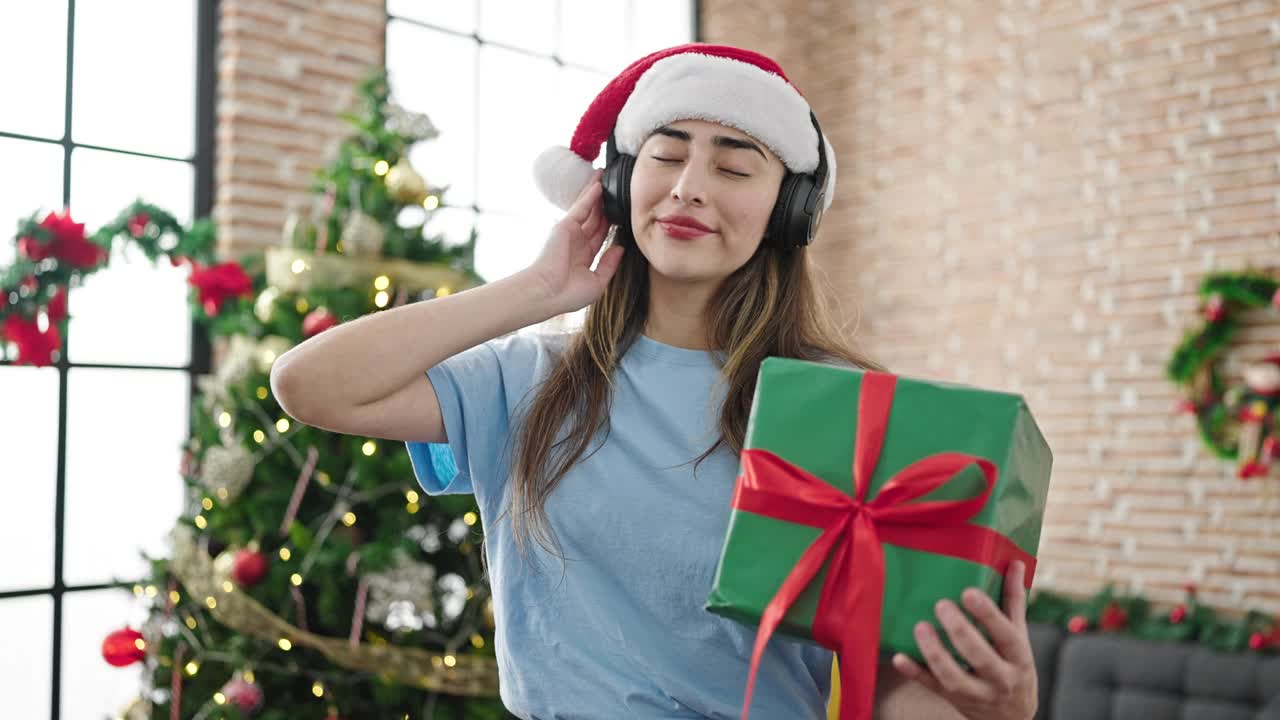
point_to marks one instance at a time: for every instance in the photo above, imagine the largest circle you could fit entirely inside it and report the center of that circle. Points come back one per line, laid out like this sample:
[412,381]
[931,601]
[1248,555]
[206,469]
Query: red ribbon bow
[848,613]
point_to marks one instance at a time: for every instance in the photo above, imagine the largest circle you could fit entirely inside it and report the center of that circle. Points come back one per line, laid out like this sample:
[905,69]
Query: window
[503,80]
[89,448]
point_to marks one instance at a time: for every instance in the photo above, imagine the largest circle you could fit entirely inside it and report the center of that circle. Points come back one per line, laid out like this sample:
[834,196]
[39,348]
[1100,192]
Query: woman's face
[695,173]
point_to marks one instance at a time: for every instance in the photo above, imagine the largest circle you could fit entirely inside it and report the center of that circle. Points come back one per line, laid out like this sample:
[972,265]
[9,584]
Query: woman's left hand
[1002,685]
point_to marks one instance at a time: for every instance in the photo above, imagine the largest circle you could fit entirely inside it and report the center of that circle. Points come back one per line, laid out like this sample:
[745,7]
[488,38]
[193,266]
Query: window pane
[90,687]
[34,96]
[27,478]
[506,244]
[130,312]
[448,97]
[26,624]
[658,24]
[452,224]
[594,33]
[125,429]
[134,75]
[515,126]
[528,24]
[30,181]
[575,89]
[459,15]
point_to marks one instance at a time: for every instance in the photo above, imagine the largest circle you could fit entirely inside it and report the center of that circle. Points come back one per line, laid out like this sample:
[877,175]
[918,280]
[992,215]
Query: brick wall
[286,68]
[1030,193]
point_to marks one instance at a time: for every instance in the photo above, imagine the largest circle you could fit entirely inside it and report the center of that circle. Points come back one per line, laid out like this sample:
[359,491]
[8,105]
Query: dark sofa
[1098,676]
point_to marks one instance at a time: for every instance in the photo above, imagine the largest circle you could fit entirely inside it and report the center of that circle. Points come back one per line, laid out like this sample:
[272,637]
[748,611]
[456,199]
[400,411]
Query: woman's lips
[682,232]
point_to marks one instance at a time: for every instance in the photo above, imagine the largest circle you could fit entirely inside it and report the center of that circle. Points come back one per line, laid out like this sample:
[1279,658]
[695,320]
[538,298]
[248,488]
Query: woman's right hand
[564,265]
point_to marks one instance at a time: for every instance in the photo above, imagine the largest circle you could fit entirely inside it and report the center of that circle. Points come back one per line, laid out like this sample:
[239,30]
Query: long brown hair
[768,307]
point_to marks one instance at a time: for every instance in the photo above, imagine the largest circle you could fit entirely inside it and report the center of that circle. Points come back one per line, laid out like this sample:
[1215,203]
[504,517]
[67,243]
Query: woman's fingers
[948,673]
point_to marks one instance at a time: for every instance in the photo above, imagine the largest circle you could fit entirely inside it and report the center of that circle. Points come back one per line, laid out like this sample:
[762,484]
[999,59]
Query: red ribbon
[848,613]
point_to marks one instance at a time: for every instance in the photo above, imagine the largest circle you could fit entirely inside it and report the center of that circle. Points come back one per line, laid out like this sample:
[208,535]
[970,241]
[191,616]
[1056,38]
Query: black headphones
[795,215]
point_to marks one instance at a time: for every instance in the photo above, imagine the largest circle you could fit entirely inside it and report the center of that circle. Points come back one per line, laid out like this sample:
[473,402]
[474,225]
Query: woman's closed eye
[727,171]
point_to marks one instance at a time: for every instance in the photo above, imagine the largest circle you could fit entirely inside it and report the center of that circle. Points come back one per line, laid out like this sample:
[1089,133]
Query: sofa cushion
[1121,677]
[1045,641]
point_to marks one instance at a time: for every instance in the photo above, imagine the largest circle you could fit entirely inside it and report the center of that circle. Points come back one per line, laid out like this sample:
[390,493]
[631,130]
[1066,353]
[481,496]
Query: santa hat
[717,83]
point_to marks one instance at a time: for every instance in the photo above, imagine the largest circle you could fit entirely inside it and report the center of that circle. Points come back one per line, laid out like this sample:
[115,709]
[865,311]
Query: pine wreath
[1237,422]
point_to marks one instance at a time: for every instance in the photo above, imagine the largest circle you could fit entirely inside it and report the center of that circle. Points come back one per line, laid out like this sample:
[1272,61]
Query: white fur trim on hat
[692,86]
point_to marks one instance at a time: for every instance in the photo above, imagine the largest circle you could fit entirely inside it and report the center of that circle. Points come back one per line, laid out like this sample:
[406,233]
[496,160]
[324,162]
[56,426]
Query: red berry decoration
[1078,624]
[1215,309]
[1113,618]
[138,224]
[1178,614]
[1257,641]
[249,568]
[317,321]
[124,647]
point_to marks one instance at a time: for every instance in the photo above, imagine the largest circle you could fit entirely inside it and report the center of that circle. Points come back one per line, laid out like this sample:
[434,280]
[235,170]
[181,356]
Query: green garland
[1188,621]
[1195,363]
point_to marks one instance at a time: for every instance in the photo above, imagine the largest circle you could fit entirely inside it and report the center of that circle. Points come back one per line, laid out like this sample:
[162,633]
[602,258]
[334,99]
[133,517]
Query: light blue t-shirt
[620,630]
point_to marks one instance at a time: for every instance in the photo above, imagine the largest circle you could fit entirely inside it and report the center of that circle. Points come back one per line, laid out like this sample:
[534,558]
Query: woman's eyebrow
[719,140]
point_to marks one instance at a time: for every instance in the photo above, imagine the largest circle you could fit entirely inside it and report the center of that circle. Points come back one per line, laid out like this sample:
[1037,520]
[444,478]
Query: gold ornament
[405,185]
[265,306]
[362,235]
[468,675]
[226,470]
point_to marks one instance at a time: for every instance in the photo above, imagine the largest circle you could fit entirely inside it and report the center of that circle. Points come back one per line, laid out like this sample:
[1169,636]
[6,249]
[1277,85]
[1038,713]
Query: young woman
[603,460]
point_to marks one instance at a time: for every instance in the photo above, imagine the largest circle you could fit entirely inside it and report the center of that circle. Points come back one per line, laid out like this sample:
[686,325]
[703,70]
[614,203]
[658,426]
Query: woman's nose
[690,187]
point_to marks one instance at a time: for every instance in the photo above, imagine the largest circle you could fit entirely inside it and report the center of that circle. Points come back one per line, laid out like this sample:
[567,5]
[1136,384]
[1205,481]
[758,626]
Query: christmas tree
[310,578]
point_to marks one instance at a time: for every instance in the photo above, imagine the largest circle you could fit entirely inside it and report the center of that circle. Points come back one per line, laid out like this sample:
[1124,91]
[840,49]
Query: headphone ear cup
[779,230]
[617,189]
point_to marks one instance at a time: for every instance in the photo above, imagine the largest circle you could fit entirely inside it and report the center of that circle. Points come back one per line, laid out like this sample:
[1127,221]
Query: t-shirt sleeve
[476,390]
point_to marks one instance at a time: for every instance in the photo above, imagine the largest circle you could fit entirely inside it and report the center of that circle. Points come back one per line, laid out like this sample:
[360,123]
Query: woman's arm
[897,698]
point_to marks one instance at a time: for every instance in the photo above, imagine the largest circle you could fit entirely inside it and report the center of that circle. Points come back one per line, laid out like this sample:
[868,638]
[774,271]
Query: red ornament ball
[249,568]
[243,694]
[1113,618]
[124,647]
[1078,624]
[1257,641]
[1178,614]
[317,321]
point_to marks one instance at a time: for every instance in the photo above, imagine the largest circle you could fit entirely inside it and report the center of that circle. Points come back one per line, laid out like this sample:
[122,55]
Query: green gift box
[807,415]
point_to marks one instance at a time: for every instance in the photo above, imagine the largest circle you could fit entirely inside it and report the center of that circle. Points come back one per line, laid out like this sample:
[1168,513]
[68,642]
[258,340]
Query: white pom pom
[561,174]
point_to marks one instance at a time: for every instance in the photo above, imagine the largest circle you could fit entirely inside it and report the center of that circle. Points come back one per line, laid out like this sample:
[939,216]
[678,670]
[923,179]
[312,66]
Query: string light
[349,519]
[222,493]
[470,518]
[207,503]
[174,597]
[137,590]
[140,644]
[298,266]
[411,496]
[323,478]
[431,203]
[248,677]
[285,645]
[381,299]
[224,419]
[477,641]
[200,522]
[370,447]
[282,425]
[263,392]
[381,167]
[219,698]
[443,291]
[259,436]
[317,689]
[227,586]
[212,602]
[192,668]
[413,508]
[382,282]
[450,661]
[302,305]
[285,554]
[296,579]
[190,622]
